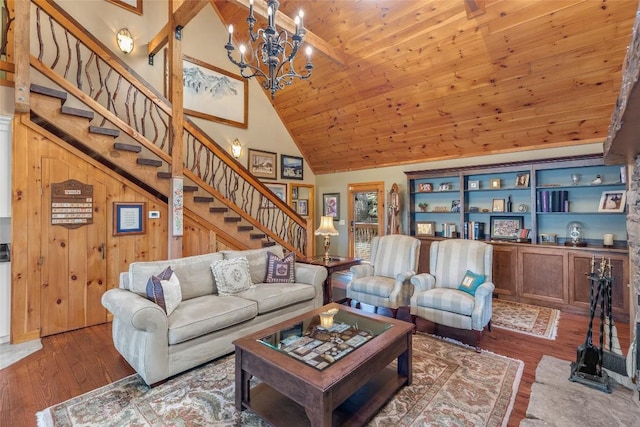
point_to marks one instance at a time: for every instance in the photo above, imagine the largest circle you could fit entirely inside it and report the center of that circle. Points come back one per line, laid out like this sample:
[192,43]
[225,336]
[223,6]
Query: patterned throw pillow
[164,290]
[281,270]
[232,276]
[470,282]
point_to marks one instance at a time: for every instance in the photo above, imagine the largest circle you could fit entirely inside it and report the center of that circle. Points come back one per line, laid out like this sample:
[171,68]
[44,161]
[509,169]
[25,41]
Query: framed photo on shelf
[473,184]
[497,205]
[612,201]
[495,183]
[129,218]
[263,164]
[212,93]
[303,207]
[331,205]
[506,227]
[425,228]
[548,239]
[291,167]
[279,190]
[425,187]
[522,180]
[445,186]
[455,206]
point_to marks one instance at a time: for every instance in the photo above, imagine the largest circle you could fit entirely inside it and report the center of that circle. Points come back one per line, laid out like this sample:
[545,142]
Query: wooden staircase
[137,164]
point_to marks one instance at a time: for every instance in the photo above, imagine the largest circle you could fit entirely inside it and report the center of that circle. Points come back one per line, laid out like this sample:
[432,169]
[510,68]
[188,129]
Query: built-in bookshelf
[533,202]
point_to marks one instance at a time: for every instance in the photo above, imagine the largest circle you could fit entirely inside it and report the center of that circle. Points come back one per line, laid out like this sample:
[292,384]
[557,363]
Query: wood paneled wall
[31,146]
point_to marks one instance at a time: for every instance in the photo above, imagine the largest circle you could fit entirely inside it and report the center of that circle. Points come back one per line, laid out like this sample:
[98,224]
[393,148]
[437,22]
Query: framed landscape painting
[291,167]
[263,164]
[215,94]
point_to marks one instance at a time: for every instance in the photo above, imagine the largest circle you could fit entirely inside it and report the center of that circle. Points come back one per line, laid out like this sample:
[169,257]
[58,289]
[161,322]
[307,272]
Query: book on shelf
[473,230]
[552,201]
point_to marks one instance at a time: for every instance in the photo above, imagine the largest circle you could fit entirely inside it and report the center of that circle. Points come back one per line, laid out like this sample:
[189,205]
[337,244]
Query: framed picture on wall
[303,207]
[279,190]
[134,6]
[331,205]
[129,218]
[263,164]
[291,167]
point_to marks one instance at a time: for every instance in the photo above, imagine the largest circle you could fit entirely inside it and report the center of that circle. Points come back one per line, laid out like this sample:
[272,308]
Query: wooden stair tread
[219,209]
[78,112]
[232,219]
[202,199]
[257,236]
[104,131]
[190,188]
[265,244]
[127,147]
[164,175]
[245,227]
[43,90]
[149,162]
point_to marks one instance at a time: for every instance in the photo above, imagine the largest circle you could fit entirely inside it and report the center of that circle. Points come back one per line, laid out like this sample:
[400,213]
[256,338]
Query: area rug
[452,385]
[526,319]
[556,401]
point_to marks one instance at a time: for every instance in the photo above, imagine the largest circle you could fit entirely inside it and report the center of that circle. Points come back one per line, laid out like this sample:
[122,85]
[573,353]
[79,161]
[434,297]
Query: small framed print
[445,186]
[279,190]
[134,6]
[129,218]
[473,184]
[506,227]
[263,164]
[498,205]
[495,183]
[425,228]
[331,205]
[291,167]
[303,207]
[548,239]
[522,180]
[455,206]
[425,187]
[612,201]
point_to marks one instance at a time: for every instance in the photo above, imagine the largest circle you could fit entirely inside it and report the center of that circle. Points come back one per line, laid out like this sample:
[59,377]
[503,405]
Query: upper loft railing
[7,16]
[65,53]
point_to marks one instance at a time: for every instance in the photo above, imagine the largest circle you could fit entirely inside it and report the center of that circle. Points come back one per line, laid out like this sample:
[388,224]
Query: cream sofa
[204,324]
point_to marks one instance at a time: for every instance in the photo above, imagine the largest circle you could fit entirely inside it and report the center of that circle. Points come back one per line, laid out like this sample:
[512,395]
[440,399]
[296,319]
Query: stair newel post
[22,51]
[176,198]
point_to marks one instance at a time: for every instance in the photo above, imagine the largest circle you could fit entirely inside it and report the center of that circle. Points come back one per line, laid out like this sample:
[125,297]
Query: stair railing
[80,64]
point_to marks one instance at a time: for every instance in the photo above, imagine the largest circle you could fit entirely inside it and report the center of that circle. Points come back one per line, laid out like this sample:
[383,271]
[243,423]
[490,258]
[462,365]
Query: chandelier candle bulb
[230,33]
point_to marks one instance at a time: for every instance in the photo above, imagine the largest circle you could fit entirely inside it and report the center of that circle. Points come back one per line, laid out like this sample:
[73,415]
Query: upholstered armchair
[458,290]
[384,281]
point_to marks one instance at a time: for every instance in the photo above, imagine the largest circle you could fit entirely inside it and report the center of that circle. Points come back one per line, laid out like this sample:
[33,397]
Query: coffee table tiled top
[322,339]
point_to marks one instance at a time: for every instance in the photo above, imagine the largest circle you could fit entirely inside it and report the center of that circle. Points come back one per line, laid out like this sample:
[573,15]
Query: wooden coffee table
[348,388]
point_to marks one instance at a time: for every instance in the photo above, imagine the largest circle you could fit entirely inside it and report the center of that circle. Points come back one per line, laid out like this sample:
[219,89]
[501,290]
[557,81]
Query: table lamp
[326,229]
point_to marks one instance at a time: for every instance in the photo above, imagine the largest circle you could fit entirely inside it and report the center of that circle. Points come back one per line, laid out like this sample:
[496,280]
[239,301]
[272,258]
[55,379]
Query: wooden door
[73,261]
[366,216]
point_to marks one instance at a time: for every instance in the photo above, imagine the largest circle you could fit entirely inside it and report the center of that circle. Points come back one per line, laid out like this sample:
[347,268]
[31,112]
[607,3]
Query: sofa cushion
[445,299]
[281,270]
[194,273]
[232,276]
[200,316]
[270,298]
[257,260]
[164,290]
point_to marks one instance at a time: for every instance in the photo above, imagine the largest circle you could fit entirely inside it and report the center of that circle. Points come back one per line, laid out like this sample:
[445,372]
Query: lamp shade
[326,227]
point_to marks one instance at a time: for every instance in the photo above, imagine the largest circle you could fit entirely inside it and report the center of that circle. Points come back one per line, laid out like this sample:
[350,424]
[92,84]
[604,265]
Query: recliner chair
[385,280]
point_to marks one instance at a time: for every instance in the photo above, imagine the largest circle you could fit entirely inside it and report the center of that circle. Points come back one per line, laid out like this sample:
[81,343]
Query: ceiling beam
[288,24]
[188,10]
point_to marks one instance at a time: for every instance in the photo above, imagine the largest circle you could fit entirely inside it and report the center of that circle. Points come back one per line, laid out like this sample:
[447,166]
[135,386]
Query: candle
[608,239]
[230,33]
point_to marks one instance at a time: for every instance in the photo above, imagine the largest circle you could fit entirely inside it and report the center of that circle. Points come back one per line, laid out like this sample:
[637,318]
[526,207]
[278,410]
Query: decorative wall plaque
[71,204]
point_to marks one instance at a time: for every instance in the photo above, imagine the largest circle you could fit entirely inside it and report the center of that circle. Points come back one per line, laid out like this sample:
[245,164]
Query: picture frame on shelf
[612,201]
[495,183]
[445,186]
[331,205]
[291,167]
[498,205]
[473,184]
[506,227]
[548,239]
[129,218]
[455,206]
[522,180]
[303,207]
[425,187]
[425,228]
[279,189]
[263,164]
[203,101]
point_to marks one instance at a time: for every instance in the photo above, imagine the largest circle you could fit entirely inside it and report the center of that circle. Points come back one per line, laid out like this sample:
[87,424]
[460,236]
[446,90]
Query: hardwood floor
[76,362]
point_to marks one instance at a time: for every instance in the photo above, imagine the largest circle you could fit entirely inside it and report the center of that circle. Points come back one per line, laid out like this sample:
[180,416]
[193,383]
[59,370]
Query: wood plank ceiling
[421,81]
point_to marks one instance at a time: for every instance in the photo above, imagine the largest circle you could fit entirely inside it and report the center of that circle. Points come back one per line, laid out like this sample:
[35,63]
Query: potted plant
[423,206]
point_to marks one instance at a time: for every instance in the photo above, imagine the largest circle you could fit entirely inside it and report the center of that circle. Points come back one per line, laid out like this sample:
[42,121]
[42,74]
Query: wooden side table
[334,264]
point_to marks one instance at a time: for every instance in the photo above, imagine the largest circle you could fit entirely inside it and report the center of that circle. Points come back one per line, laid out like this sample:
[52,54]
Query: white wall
[5,226]
[338,182]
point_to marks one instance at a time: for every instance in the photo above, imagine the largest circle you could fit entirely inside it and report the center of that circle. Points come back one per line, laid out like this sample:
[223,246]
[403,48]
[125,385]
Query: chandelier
[272,52]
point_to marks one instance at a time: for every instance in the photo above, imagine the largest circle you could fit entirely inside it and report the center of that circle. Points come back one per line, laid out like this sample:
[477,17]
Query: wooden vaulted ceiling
[406,81]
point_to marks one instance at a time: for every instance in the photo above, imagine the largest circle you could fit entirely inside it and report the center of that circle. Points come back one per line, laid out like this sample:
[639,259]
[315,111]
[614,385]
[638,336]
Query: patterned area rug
[452,385]
[527,319]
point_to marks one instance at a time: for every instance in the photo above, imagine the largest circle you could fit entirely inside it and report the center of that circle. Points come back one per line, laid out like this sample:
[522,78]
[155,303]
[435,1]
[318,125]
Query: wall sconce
[236,148]
[125,40]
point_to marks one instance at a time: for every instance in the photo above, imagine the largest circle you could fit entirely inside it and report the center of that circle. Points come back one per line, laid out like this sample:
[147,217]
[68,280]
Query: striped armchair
[437,297]
[385,280]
